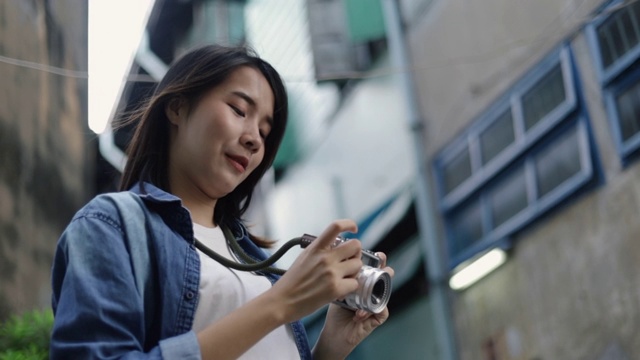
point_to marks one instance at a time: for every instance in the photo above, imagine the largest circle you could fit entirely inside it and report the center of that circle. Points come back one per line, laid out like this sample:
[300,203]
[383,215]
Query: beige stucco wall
[467,53]
[570,289]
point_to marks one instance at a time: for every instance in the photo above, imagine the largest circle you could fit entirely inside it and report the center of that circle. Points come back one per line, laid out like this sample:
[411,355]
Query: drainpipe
[435,267]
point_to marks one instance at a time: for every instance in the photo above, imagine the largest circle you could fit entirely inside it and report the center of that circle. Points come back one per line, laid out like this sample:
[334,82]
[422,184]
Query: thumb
[331,232]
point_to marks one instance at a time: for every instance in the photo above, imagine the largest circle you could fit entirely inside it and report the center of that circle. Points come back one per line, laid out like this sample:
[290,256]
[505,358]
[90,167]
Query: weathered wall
[45,158]
[467,53]
[570,289]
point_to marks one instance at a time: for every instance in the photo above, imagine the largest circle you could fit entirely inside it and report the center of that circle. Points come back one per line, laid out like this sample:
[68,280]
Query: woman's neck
[201,208]
[201,215]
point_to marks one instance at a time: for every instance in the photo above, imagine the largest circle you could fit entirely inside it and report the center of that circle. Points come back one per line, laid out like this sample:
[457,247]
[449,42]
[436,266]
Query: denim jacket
[99,311]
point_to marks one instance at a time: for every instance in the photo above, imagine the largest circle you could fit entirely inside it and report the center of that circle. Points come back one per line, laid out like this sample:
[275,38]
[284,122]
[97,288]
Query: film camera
[374,284]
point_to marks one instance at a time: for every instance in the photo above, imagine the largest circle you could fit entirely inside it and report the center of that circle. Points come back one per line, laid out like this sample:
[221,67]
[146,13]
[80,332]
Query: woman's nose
[251,139]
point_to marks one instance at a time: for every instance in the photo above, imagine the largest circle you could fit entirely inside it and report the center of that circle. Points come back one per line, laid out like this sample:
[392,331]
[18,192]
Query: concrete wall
[570,289]
[45,153]
[466,53]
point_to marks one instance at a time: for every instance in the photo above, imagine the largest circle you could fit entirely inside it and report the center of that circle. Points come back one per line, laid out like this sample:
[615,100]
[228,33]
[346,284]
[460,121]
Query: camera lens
[379,289]
[373,292]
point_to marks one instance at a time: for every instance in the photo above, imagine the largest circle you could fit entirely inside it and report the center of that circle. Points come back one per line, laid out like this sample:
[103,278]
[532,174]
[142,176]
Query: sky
[115,30]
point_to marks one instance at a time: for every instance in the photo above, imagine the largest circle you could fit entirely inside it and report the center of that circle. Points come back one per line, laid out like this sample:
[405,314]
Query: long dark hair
[189,78]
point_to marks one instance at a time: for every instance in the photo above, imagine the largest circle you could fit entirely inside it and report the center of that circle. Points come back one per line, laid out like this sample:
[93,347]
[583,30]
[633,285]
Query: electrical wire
[46,68]
[349,75]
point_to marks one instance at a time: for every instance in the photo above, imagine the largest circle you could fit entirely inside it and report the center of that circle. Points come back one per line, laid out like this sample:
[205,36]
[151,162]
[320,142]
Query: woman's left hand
[344,329]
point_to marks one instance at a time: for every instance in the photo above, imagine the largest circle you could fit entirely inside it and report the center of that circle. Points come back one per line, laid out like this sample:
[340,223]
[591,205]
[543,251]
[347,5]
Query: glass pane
[628,104]
[625,26]
[618,37]
[508,198]
[558,163]
[466,227]
[497,137]
[634,15]
[457,170]
[543,97]
[606,46]
[619,34]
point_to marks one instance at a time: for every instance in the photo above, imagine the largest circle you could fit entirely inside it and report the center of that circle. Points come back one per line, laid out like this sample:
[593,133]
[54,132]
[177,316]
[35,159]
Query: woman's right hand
[322,273]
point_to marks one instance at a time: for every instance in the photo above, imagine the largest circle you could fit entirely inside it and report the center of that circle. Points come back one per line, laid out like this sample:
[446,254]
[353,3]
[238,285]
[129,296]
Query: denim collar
[152,194]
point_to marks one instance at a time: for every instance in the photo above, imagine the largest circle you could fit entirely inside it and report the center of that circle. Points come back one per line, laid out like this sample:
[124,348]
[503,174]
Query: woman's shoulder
[99,218]
[103,203]
[107,206]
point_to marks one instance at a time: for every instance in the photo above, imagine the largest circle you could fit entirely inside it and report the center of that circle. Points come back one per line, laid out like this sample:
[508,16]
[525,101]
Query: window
[557,163]
[508,198]
[347,36]
[543,97]
[526,154]
[457,170]
[614,37]
[497,137]
[508,129]
[627,103]
[466,226]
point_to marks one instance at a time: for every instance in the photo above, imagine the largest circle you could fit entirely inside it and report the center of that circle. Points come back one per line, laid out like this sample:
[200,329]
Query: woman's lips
[239,162]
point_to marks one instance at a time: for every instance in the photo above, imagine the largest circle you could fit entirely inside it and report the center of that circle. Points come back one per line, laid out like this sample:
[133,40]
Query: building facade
[531,133]
[46,154]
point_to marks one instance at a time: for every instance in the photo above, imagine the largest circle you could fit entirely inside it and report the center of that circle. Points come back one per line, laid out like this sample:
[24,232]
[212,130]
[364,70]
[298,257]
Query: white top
[223,290]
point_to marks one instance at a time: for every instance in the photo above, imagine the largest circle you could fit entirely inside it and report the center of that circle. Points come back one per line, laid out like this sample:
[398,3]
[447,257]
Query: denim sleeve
[99,313]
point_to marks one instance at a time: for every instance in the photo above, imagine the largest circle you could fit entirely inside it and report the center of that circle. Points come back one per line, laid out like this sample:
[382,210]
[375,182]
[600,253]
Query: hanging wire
[351,75]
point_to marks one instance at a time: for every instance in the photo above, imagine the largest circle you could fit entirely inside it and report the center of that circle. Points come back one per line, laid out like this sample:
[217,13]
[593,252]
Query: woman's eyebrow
[245,97]
[251,102]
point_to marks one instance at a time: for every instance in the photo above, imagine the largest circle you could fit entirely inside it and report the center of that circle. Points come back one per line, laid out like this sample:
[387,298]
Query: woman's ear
[176,110]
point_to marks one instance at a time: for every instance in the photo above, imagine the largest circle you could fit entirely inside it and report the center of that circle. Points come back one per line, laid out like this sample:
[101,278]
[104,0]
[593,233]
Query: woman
[202,143]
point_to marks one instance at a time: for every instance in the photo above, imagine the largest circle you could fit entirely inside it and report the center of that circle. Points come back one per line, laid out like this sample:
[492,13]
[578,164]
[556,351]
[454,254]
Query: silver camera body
[374,284]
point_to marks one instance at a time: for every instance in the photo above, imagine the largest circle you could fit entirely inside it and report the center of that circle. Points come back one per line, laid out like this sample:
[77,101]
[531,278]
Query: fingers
[345,273]
[383,258]
[347,250]
[383,264]
[328,236]
[374,320]
[389,271]
[345,287]
[349,268]
[361,315]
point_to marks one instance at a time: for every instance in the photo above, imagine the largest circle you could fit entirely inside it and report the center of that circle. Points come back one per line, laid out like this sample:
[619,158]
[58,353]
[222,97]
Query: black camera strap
[250,264]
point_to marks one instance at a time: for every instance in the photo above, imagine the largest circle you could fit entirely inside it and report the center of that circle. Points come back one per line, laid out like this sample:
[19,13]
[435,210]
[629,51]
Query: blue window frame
[527,153]
[614,37]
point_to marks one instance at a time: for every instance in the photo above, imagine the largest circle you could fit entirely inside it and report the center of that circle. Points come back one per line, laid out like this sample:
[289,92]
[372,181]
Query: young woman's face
[216,144]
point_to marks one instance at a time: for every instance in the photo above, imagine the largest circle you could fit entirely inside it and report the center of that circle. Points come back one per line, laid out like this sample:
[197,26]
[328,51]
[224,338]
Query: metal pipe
[434,267]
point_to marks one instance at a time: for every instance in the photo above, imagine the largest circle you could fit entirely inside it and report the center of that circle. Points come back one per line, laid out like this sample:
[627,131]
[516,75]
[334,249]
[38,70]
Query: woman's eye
[237,111]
